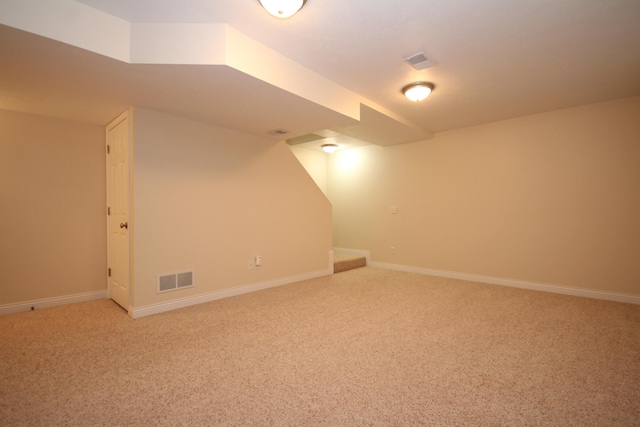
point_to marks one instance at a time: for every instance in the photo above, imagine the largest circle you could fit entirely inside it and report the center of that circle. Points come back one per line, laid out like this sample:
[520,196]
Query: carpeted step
[345,261]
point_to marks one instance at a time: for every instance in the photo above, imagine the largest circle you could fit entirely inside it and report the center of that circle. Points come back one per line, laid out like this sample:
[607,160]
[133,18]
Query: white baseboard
[225,293]
[359,252]
[51,302]
[610,296]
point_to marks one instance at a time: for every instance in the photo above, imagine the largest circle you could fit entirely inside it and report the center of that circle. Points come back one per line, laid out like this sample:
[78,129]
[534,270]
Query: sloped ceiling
[336,66]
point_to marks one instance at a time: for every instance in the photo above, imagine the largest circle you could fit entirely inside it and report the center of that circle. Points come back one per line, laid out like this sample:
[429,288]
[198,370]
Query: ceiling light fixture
[282,9]
[329,148]
[418,91]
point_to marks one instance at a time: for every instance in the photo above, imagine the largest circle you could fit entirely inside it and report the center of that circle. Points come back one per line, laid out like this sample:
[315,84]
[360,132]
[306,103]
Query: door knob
[124,225]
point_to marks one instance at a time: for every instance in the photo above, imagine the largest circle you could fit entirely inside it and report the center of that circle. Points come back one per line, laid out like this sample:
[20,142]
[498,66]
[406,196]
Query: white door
[118,222]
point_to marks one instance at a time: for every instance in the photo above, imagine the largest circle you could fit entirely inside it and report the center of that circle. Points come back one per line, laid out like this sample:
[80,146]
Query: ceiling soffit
[202,44]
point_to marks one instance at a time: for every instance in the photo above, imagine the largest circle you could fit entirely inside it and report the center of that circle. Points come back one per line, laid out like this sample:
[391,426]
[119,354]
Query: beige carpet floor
[365,347]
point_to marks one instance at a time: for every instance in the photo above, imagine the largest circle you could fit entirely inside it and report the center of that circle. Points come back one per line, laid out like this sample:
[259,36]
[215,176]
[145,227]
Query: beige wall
[315,163]
[211,199]
[52,208]
[552,198]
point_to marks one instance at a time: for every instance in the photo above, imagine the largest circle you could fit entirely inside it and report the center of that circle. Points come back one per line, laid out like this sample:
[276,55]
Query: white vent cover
[171,282]
[419,61]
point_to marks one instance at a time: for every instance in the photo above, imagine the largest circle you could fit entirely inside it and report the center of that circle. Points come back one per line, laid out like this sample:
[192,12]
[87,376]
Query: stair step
[344,262]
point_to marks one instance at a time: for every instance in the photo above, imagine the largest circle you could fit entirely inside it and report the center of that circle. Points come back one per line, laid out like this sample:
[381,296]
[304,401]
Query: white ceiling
[495,59]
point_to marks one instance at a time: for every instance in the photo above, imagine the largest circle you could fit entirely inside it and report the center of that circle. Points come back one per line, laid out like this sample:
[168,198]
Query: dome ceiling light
[417,91]
[329,148]
[282,9]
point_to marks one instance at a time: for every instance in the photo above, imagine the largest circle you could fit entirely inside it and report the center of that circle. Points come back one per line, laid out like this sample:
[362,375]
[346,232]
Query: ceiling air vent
[419,61]
[278,132]
[304,139]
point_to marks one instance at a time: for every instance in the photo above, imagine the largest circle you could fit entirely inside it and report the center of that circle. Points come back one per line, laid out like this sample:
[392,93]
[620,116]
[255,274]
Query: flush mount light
[282,9]
[329,148]
[417,91]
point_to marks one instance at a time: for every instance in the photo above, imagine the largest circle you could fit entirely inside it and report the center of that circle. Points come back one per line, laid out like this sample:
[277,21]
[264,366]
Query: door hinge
[108,148]
[109,271]
[108,210]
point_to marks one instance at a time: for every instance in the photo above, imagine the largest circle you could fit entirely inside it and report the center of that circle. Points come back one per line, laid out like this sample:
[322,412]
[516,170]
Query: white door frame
[120,235]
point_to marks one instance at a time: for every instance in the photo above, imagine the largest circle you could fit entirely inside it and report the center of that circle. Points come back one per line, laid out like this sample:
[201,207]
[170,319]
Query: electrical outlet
[393,250]
[252,265]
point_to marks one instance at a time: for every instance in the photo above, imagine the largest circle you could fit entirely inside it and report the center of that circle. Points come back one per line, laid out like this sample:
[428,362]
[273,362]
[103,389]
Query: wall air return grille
[174,281]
